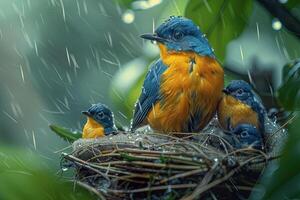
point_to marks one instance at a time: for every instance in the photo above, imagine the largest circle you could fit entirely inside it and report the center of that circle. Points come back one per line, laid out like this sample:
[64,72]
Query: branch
[284,15]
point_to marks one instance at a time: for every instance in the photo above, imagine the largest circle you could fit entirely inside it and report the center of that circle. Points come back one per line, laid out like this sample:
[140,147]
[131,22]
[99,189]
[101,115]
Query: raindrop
[64,169]
[22,73]
[242,54]
[257,30]
[276,24]
[128,16]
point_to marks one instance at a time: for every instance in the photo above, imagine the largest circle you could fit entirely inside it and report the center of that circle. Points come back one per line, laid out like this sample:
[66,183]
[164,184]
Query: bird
[100,122]
[182,88]
[240,105]
[246,136]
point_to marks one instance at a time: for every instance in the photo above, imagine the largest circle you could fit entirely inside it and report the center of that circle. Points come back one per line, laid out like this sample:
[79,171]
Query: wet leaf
[66,133]
[289,91]
[221,21]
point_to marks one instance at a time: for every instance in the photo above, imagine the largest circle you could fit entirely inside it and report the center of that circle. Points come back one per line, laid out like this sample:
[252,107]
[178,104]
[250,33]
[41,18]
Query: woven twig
[154,165]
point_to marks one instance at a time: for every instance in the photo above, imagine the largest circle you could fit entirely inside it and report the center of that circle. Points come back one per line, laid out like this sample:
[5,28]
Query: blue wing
[256,104]
[150,94]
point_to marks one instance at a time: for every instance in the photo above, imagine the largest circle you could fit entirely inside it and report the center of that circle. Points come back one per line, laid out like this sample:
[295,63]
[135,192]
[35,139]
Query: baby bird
[100,122]
[240,105]
[246,135]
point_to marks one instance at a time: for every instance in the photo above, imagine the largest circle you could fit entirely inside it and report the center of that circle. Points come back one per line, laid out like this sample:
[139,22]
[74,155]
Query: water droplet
[64,169]
[128,16]
[276,24]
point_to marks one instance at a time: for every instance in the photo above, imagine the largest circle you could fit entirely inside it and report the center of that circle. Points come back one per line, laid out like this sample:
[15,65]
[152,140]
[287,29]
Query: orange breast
[92,129]
[235,111]
[187,90]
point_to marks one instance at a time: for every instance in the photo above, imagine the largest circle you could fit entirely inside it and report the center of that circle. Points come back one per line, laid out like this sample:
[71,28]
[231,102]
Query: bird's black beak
[153,37]
[225,91]
[86,113]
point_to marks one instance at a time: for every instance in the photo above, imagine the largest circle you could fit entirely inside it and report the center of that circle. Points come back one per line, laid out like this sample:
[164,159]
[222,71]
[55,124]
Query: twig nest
[159,166]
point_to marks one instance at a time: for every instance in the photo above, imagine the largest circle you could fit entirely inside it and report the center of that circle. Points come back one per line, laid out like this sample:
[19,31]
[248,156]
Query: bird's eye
[100,115]
[240,91]
[244,134]
[178,35]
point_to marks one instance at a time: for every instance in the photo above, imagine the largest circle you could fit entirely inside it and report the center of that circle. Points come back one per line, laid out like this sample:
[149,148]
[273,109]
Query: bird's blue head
[103,115]
[247,135]
[181,34]
[239,89]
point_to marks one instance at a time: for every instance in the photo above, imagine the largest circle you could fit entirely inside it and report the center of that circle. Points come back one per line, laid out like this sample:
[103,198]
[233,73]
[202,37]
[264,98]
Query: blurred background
[60,56]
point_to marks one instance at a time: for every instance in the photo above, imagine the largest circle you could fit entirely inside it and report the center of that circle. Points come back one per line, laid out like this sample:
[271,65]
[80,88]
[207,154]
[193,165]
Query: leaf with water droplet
[66,133]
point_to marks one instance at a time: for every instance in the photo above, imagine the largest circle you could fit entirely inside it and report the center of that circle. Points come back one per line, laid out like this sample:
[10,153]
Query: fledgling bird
[246,136]
[183,87]
[100,122]
[240,105]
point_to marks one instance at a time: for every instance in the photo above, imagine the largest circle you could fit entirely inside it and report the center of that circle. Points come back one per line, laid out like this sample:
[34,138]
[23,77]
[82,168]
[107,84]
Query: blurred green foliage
[292,4]
[24,176]
[222,21]
[125,95]
[289,91]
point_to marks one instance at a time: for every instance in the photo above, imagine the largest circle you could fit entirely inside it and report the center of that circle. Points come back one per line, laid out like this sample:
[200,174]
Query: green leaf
[221,20]
[282,181]
[292,4]
[289,92]
[125,3]
[66,133]
[24,176]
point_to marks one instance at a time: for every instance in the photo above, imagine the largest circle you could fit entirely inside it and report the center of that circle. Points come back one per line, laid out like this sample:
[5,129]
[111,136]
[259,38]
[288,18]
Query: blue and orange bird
[183,87]
[246,136]
[240,105]
[100,122]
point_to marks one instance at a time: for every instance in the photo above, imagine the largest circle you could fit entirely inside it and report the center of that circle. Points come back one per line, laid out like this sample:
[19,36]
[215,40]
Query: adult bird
[100,122]
[183,87]
[240,105]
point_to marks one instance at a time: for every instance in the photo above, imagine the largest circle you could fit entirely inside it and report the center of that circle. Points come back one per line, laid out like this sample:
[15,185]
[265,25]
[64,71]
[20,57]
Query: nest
[147,165]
